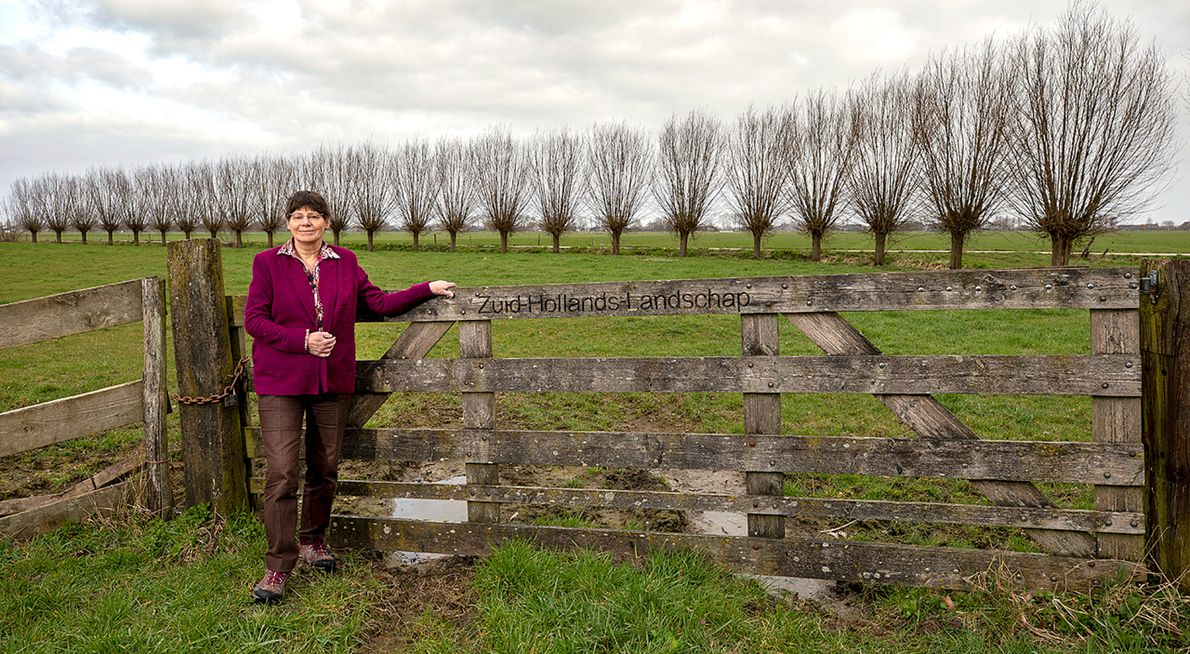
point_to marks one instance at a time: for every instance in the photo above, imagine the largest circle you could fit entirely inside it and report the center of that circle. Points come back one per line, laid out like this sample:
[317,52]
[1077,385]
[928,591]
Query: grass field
[164,587]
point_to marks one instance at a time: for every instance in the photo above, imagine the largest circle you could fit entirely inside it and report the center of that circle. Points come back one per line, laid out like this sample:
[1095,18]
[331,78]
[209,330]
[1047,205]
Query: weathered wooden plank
[760,336]
[1118,464]
[414,343]
[1105,375]
[1104,522]
[952,289]
[159,496]
[1117,420]
[110,474]
[1165,415]
[53,316]
[852,561]
[28,524]
[926,416]
[31,427]
[479,413]
[212,439]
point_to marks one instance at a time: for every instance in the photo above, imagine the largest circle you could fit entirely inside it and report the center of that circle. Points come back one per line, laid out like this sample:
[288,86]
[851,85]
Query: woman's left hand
[442,288]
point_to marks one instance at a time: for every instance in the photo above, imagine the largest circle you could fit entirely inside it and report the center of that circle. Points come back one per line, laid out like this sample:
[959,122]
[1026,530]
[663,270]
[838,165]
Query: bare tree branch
[620,174]
[558,176]
[884,178]
[689,179]
[1092,127]
[960,121]
[756,171]
[501,181]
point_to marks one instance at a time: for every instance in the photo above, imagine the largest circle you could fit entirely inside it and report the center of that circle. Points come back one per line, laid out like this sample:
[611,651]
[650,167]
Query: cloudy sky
[109,82]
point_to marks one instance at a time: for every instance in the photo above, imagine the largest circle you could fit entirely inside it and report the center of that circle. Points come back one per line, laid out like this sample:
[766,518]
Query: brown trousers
[281,431]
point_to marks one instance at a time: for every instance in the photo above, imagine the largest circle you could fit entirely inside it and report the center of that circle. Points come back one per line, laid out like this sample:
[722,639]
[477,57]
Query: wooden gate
[1082,546]
[142,400]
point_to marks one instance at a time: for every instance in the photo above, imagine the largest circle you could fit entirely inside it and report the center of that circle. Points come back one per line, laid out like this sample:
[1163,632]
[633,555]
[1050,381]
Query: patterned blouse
[324,252]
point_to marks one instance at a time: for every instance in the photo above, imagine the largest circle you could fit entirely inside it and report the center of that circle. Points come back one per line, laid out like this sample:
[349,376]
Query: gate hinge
[1149,285]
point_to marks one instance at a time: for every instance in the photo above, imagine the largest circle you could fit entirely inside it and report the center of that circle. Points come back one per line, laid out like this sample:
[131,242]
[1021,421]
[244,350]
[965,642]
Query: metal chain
[212,399]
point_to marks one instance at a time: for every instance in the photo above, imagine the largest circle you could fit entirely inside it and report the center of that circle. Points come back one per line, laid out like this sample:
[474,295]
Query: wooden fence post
[159,497]
[479,412]
[762,415]
[212,438]
[1165,415]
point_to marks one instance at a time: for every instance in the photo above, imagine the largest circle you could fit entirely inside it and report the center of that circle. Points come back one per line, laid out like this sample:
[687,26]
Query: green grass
[178,586]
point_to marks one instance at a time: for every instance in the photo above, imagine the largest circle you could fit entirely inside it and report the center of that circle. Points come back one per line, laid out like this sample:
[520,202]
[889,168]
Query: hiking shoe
[270,589]
[317,555]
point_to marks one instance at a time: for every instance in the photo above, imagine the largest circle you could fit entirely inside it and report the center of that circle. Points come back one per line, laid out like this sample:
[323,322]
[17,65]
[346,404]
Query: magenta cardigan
[280,308]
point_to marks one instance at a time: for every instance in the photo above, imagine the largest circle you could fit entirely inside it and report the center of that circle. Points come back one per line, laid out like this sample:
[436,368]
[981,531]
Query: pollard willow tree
[557,178]
[373,198]
[501,179]
[129,200]
[415,187]
[203,194]
[94,190]
[689,175]
[55,202]
[453,174]
[327,170]
[619,176]
[960,119]
[160,204]
[234,189]
[756,172]
[883,179]
[819,158]
[1092,127]
[22,207]
[85,218]
[273,178]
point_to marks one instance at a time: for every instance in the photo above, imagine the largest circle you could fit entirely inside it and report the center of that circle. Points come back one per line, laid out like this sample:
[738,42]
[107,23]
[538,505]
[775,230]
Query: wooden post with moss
[212,439]
[1165,414]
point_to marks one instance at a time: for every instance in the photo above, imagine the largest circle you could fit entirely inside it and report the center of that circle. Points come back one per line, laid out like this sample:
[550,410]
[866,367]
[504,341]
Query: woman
[301,312]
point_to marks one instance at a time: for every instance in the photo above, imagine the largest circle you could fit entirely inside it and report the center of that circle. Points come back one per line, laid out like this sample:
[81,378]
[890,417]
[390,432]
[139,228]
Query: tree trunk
[270,234]
[163,237]
[109,236]
[682,238]
[57,236]
[239,238]
[1059,250]
[557,243]
[880,237]
[336,233]
[454,238]
[815,246]
[136,237]
[84,237]
[504,241]
[956,250]
[34,235]
[755,245]
[370,232]
[187,233]
[214,233]
[416,241]
[615,242]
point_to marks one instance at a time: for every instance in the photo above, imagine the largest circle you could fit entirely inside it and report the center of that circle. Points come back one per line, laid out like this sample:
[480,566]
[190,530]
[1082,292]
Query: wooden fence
[1081,548]
[144,477]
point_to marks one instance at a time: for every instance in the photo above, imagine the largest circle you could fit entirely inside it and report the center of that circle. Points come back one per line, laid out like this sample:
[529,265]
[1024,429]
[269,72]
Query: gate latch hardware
[1149,284]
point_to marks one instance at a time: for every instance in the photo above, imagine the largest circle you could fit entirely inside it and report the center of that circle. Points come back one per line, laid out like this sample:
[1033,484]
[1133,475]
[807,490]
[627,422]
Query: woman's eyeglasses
[312,217]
